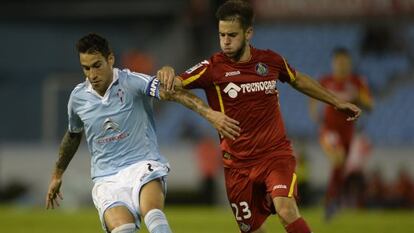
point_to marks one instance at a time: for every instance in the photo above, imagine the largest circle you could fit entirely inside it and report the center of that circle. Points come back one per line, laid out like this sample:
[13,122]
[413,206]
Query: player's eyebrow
[228,33]
[93,64]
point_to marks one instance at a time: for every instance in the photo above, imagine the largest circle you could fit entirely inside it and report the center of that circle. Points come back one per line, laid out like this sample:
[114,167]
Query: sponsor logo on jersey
[280,186]
[109,124]
[258,86]
[261,69]
[269,87]
[244,227]
[113,138]
[232,73]
[192,69]
[232,90]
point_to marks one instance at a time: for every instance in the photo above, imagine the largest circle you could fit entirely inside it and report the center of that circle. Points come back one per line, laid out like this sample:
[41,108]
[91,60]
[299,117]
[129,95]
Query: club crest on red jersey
[261,69]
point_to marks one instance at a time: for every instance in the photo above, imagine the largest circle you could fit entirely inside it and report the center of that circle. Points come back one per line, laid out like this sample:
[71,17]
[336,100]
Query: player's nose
[92,75]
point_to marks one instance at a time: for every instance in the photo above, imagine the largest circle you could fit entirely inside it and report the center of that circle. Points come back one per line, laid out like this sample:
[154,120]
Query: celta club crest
[261,69]
[121,95]
[110,125]
[244,227]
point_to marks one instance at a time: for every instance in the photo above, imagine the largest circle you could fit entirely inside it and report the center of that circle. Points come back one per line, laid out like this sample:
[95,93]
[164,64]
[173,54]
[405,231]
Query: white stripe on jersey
[144,77]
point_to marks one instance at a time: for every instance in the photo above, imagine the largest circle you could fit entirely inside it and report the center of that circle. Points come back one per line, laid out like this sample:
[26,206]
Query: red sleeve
[286,72]
[197,76]
[363,89]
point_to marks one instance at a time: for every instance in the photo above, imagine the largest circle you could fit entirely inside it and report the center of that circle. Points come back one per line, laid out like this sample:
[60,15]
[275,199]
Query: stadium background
[39,67]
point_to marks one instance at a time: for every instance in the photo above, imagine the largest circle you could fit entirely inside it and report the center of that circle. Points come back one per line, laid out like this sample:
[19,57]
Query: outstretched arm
[67,150]
[226,126]
[310,87]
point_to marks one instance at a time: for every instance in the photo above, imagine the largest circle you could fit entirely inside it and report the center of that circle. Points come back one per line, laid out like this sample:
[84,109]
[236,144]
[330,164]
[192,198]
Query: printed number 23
[244,209]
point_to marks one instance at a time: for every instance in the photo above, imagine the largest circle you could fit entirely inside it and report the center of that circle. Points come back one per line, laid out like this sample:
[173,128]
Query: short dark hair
[236,9]
[93,43]
[340,51]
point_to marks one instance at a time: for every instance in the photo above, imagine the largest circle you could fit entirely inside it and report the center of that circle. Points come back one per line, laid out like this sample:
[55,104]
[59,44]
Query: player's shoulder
[79,89]
[78,94]
[267,55]
[126,74]
[132,81]
[217,58]
[358,79]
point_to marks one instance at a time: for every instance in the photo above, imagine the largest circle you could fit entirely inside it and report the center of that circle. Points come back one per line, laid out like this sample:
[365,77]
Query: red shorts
[251,190]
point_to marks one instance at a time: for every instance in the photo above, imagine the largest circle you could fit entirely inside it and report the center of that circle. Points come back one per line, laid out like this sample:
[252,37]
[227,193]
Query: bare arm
[310,87]
[67,150]
[226,126]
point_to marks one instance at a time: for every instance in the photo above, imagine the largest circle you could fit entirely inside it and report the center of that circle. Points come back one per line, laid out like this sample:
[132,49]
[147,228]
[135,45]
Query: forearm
[189,100]
[310,87]
[67,150]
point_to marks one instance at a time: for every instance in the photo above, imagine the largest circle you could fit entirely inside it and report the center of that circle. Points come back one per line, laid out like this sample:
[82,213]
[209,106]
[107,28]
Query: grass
[201,220]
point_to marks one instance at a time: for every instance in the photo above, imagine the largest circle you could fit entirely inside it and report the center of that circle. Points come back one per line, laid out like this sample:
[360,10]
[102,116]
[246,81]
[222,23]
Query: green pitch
[202,220]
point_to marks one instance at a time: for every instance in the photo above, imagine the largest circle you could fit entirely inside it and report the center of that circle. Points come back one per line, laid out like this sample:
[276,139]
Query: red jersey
[246,92]
[349,90]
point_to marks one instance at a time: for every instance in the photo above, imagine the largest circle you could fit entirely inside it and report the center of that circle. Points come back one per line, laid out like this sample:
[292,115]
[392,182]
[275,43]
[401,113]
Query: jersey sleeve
[143,84]
[363,90]
[286,72]
[75,124]
[197,76]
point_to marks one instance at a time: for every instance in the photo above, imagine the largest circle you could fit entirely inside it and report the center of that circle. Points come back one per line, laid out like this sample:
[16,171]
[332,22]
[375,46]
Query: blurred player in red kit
[346,151]
[241,82]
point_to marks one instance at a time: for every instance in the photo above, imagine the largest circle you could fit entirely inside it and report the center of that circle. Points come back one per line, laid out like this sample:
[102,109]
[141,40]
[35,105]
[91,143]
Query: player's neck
[105,88]
[245,57]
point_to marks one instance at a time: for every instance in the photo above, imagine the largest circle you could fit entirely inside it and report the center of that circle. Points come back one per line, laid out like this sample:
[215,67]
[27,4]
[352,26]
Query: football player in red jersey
[241,82]
[337,135]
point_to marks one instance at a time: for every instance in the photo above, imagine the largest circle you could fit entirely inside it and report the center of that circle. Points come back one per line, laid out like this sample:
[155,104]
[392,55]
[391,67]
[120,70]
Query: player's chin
[230,54]
[96,86]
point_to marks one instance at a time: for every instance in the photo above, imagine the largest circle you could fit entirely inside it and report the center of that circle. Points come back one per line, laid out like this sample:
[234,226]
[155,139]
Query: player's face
[233,39]
[98,70]
[342,66]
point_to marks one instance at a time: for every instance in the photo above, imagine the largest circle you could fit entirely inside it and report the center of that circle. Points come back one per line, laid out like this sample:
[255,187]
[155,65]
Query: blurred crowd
[378,193]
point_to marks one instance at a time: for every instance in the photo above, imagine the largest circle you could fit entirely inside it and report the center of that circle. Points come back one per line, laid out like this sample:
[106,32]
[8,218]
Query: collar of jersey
[251,59]
[104,98]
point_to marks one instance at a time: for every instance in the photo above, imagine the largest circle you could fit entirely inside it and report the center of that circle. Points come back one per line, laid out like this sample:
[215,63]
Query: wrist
[336,102]
[57,174]
[209,113]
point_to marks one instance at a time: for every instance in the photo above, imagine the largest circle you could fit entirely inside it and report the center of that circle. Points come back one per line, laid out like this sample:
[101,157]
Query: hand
[166,75]
[53,193]
[226,126]
[351,110]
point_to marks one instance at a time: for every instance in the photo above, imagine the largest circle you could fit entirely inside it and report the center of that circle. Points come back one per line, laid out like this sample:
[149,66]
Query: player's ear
[111,59]
[249,33]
